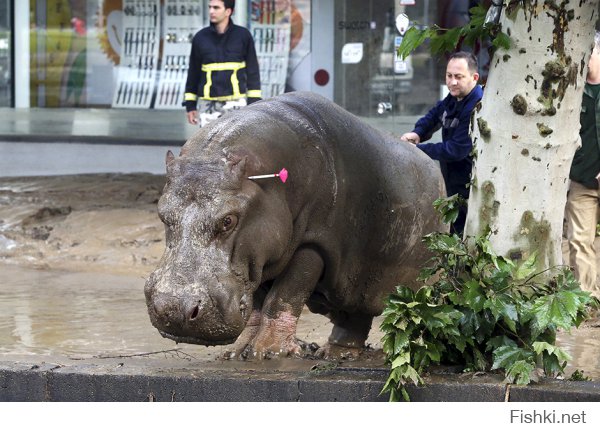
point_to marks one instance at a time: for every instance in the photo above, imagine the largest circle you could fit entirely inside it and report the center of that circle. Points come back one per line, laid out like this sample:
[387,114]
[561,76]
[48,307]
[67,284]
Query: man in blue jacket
[223,67]
[453,115]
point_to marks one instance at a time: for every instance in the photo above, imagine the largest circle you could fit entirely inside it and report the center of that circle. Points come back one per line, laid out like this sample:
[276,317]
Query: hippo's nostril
[195,312]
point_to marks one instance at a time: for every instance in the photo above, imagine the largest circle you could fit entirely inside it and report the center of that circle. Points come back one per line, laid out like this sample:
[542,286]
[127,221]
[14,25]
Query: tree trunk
[527,128]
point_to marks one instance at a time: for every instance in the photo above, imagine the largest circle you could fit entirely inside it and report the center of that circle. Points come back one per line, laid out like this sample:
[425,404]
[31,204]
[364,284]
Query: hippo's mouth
[196,340]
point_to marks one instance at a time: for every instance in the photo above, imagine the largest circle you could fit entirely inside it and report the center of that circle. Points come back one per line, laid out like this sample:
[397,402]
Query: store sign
[402,23]
[352,53]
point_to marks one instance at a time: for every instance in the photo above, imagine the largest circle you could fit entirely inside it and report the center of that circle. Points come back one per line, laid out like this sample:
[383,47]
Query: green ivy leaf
[502,40]
[413,38]
[400,342]
[469,323]
[520,372]
[540,347]
[502,306]
[527,267]
[498,341]
[474,296]
[401,359]
[558,309]
[505,356]
[446,42]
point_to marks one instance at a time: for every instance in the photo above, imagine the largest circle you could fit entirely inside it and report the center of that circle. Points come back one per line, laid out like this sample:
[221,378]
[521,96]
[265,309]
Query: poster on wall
[182,19]
[140,37]
[58,53]
[299,76]
[270,25]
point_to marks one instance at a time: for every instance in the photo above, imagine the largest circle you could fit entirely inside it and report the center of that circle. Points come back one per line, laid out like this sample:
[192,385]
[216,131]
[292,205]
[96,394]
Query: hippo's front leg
[283,304]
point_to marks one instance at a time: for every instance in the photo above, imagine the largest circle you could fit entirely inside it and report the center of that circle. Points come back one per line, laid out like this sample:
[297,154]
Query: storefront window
[5,54]
[135,53]
[368,72]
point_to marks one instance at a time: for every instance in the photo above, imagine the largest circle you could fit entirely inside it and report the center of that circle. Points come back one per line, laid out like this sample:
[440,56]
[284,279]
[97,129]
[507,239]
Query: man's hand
[192,117]
[411,137]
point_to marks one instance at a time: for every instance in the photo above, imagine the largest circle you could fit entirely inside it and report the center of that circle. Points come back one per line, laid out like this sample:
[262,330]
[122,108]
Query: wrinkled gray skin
[244,256]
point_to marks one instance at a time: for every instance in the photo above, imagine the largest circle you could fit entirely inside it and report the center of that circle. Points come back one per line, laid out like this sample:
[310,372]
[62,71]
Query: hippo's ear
[237,168]
[168,160]
[240,161]
[170,157]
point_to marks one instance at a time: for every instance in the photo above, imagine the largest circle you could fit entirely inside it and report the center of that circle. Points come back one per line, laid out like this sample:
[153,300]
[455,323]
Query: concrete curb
[149,381]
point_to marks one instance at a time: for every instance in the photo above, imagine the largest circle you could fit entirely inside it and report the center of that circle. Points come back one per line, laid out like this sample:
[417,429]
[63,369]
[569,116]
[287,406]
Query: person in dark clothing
[453,115]
[223,65]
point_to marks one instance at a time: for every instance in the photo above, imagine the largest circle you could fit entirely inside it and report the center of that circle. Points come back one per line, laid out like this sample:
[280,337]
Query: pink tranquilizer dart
[283,175]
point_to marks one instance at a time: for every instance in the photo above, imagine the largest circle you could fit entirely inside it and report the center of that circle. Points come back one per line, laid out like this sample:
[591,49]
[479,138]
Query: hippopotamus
[244,256]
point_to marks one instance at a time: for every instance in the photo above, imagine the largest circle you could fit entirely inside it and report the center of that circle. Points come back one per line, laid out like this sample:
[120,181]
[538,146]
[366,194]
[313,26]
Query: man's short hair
[229,4]
[469,58]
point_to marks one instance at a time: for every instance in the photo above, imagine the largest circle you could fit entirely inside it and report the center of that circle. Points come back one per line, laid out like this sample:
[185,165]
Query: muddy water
[87,315]
[80,315]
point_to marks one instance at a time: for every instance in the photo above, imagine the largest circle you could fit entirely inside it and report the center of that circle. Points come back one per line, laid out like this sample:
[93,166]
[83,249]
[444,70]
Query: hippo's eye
[228,223]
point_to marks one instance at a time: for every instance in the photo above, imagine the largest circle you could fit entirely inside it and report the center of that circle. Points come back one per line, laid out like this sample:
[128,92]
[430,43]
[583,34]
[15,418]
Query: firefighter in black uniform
[223,69]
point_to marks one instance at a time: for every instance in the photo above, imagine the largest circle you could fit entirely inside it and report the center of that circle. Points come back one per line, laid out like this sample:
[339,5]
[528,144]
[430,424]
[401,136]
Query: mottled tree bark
[526,130]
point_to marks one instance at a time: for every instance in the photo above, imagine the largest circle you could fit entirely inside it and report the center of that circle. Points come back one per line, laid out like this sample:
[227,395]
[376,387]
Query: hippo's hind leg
[276,334]
[350,331]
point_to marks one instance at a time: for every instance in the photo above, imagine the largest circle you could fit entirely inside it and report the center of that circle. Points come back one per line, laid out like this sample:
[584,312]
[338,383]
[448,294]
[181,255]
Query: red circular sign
[322,77]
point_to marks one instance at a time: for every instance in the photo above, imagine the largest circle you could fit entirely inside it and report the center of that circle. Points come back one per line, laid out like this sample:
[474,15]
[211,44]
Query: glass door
[370,80]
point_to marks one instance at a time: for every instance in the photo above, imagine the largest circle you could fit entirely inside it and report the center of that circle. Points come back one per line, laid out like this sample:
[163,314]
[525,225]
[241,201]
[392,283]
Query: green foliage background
[480,311]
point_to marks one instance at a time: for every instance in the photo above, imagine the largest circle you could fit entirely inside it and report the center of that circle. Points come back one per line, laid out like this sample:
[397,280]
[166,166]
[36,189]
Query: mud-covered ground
[103,223]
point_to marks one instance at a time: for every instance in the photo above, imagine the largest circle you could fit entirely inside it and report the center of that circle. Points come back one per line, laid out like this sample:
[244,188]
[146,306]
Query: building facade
[133,54]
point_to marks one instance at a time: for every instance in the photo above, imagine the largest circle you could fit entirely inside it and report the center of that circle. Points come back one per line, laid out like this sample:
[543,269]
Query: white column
[22,72]
[322,55]
[240,13]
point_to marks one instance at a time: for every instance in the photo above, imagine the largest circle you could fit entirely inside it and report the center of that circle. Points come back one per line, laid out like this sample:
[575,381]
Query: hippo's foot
[273,337]
[348,336]
[243,340]
[246,337]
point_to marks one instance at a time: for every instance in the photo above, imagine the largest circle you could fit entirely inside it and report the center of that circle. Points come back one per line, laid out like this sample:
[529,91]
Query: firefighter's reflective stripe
[223,66]
[227,66]
[190,97]
[225,98]
[254,94]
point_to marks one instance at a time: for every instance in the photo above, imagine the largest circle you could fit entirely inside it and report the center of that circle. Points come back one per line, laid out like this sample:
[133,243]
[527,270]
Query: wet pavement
[85,315]
[78,316]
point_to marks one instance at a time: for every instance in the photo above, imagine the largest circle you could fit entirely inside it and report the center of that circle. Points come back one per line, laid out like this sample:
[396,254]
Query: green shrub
[481,311]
